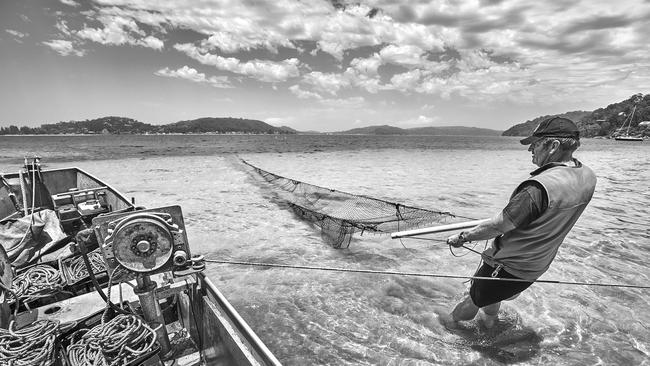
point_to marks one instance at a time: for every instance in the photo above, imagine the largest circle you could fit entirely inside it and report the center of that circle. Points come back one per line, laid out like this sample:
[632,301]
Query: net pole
[436,229]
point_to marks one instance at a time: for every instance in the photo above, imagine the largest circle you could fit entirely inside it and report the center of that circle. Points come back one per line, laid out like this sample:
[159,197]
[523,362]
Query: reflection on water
[327,318]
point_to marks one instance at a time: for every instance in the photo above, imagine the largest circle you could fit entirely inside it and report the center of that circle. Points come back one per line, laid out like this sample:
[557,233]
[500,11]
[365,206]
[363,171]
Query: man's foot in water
[447,321]
[488,321]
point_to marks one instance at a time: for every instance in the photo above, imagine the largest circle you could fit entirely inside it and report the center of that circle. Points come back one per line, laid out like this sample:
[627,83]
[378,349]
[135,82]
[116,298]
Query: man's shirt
[530,201]
[527,205]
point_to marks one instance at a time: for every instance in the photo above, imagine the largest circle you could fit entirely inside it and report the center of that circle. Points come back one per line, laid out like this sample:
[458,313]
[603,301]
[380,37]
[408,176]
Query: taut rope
[417,274]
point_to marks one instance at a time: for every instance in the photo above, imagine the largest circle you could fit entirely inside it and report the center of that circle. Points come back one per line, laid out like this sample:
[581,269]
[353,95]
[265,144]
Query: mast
[627,133]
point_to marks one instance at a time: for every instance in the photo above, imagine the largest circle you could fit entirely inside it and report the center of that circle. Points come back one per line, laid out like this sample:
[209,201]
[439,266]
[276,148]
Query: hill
[453,131]
[601,122]
[122,125]
[114,125]
[526,128]
[439,131]
[374,130]
[223,125]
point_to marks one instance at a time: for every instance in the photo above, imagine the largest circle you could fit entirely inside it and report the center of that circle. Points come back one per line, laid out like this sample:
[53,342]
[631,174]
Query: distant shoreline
[270,134]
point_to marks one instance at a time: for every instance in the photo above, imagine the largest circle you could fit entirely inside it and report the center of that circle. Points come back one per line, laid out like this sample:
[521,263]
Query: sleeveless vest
[527,252]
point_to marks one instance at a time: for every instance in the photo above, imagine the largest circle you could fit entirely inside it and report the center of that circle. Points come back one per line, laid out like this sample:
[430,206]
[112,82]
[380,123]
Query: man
[529,230]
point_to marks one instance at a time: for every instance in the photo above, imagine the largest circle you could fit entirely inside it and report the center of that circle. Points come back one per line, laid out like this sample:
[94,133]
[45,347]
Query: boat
[626,136]
[139,270]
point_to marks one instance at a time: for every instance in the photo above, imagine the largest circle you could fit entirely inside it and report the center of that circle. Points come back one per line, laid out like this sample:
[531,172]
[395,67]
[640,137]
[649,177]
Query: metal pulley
[142,242]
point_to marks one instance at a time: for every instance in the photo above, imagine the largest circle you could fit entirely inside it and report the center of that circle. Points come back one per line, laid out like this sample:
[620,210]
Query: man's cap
[553,127]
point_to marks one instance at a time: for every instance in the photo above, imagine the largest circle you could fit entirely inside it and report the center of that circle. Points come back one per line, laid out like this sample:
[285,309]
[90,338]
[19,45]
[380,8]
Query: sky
[319,65]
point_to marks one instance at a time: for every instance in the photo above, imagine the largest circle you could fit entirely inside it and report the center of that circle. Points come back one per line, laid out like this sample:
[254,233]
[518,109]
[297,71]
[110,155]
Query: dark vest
[528,251]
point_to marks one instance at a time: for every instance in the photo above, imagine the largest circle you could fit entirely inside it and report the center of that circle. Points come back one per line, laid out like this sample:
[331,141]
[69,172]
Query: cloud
[600,22]
[326,83]
[366,66]
[152,42]
[262,70]
[62,26]
[117,31]
[16,34]
[406,55]
[407,81]
[304,94]
[70,3]
[487,50]
[188,73]
[64,48]
[249,39]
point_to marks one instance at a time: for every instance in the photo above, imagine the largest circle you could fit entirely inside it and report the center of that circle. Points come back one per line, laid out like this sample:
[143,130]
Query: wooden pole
[436,229]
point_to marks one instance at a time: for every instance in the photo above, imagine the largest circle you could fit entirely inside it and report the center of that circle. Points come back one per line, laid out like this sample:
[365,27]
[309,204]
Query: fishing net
[340,215]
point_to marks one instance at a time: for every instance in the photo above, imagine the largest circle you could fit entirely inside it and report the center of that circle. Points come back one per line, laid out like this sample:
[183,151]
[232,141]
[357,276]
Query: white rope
[437,275]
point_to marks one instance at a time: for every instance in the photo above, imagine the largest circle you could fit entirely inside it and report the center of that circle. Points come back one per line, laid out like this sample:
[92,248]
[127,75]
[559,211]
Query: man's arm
[492,228]
[525,207]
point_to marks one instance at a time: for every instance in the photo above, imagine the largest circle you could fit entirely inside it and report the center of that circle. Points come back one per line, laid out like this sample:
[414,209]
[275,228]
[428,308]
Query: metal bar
[436,229]
[146,292]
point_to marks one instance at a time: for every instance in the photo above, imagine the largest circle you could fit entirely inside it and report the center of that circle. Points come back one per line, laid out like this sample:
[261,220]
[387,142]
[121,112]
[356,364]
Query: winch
[145,242]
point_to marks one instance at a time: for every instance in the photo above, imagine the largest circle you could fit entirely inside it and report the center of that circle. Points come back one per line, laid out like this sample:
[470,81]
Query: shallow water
[328,318]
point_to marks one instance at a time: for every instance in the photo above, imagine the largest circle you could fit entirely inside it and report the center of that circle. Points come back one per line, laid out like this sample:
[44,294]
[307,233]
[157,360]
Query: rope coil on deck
[77,268]
[32,345]
[39,281]
[116,342]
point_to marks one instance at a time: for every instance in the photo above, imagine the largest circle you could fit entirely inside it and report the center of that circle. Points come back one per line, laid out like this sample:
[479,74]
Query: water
[328,318]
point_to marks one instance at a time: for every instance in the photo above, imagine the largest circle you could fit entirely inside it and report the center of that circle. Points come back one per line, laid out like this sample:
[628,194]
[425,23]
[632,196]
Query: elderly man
[529,230]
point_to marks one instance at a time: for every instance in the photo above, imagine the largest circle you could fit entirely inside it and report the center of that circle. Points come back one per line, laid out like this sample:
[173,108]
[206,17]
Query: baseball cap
[553,127]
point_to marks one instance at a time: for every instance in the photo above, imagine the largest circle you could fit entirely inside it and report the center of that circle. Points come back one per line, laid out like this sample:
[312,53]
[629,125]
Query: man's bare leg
[465,310]
[490,314]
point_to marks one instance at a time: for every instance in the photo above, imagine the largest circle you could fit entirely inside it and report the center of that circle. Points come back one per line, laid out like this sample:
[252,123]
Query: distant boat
[626,136]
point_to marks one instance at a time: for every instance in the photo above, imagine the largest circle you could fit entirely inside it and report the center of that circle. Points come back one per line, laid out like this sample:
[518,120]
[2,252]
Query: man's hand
[456,240]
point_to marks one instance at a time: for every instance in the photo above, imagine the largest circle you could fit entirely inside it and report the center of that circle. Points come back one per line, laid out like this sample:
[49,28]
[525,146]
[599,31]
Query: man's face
[540,151]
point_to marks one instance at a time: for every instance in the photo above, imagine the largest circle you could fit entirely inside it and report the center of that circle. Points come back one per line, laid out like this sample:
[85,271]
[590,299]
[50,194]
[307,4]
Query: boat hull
[216,334]
[628,138]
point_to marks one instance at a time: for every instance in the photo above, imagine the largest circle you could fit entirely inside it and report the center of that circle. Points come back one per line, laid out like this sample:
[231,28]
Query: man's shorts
[488,292]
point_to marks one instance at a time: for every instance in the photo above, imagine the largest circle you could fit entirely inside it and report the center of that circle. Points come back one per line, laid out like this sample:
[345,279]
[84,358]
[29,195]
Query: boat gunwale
[243,327]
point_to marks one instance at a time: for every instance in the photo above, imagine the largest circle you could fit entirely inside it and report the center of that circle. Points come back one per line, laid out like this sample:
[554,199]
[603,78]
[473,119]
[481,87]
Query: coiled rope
[417,274]
[32,345]
[116,342]
[39,281]
[77,267]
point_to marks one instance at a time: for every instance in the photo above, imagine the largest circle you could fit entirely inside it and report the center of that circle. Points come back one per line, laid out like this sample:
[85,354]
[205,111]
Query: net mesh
[339,215]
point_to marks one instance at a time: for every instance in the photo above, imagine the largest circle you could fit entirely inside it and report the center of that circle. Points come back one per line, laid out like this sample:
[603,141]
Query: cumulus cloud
[151,42]
[262,70]
[406,55]
[63,47]
[188,73]
[407,81]
[117,31]
[326,82]
[304,94]
[504,49]
[16,33]
[70,3]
